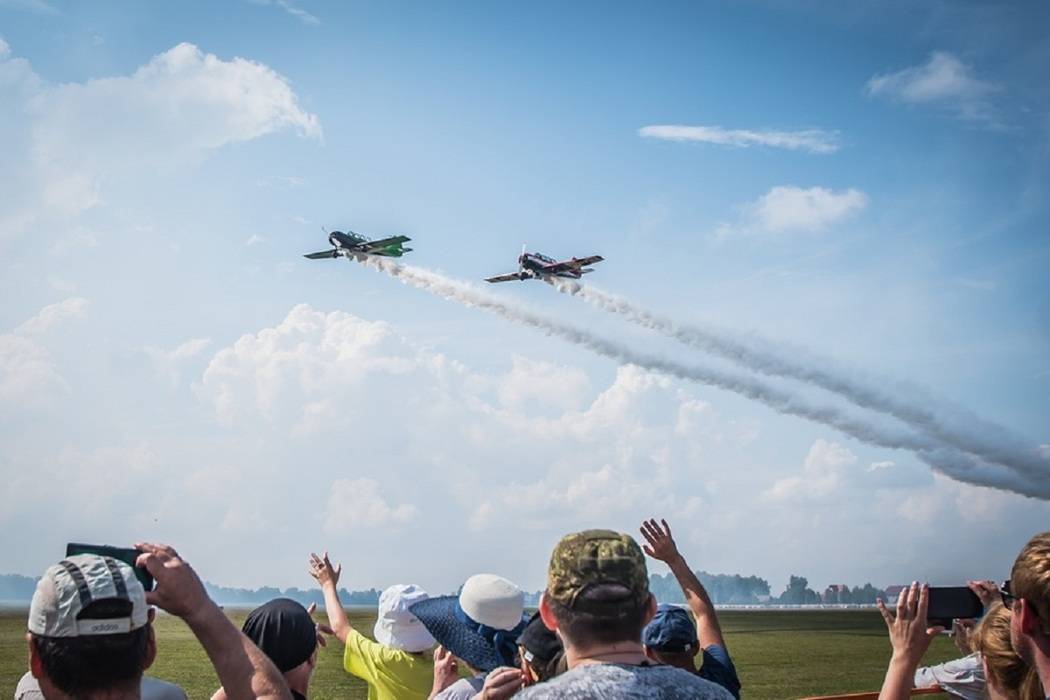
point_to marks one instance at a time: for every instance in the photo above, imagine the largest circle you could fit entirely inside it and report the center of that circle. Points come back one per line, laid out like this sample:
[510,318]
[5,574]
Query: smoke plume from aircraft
[981,439]
[941,457]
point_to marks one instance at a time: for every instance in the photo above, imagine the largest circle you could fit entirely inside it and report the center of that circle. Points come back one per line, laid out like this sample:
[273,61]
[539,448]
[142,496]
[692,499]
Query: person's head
[597,590]
[480,625]
[1030,604]
[89,629]
[285,632]
[540,652]
[670,638]
[1007,673]
[396,626]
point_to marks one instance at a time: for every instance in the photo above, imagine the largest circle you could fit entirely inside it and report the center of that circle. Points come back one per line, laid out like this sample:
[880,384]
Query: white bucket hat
[396,627]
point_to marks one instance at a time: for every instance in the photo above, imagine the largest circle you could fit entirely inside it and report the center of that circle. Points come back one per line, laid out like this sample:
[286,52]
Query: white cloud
[169,362]
[71,144]
[356,504]
[286,372]
[253,239]
[788,209]
[943,80]
[29,377]
[822,474]
[543,384]
[812,140]
[52,315]
[293,10]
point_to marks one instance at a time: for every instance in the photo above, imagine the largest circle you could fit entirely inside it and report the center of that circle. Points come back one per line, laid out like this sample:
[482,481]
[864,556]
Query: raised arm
[660,545]
[243,670]
[328,578]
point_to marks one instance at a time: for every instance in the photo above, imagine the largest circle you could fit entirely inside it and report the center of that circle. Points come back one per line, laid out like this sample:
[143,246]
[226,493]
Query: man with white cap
[394,665]
[90,633]
[480,628]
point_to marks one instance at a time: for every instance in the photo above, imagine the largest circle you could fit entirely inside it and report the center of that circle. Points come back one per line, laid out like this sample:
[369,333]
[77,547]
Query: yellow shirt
[391,674]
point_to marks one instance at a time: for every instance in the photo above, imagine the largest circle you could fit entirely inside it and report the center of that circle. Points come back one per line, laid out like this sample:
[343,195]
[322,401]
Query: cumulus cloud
[943,80]
[291,371]
[787,209]
[52,315]
[822,474]
[29,377]
[811,140]
[355,504]
[169,362]
[542,384]
[28,374]
[832,471]
[71,143]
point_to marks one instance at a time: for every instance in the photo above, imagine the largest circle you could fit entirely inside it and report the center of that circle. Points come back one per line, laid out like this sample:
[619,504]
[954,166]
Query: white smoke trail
[943,459]
[768,360]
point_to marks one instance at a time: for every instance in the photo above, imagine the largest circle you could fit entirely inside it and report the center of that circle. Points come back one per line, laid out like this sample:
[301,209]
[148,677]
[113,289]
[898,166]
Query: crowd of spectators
[598,633]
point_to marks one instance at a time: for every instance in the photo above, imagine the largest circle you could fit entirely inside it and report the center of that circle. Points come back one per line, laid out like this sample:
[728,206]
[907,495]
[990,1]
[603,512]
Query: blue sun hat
[481,625]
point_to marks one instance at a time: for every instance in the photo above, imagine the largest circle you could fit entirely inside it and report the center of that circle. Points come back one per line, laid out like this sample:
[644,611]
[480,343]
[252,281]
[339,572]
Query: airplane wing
[333,253]
[509,277]
[369,246]
[589,260]
[574,264]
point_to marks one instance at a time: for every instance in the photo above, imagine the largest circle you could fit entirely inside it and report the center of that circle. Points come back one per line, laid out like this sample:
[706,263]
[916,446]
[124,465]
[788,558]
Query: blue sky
[864,183]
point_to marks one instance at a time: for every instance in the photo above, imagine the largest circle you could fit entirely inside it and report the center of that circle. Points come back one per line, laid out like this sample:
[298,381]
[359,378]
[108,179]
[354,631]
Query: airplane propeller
[521,260]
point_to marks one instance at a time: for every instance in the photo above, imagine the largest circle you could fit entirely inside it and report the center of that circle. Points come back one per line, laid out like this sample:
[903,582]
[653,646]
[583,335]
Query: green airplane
[354,245]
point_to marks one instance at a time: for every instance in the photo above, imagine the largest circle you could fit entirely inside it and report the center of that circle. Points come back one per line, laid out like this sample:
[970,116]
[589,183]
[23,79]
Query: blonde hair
[1030,578]
[1006,670]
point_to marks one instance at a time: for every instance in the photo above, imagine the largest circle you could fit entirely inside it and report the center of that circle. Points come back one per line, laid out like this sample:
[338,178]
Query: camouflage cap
[595,557]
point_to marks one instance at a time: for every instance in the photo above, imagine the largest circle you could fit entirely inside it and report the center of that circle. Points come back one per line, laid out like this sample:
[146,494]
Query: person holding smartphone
[90,628]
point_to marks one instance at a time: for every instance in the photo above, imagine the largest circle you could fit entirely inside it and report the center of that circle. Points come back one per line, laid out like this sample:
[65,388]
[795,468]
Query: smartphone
[952,603]
[124,554]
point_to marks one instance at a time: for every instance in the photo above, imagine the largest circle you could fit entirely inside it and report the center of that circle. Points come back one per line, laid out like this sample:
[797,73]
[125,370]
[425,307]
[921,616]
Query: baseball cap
[670,630]
[541,645]
[590,558]
[284,631]
[64,603]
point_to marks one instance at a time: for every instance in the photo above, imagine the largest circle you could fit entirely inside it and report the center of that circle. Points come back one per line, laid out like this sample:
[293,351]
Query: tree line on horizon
[724,589]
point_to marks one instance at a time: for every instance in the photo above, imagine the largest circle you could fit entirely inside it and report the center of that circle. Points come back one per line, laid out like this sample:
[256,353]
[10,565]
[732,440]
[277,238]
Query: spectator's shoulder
[156,689]
[28,688]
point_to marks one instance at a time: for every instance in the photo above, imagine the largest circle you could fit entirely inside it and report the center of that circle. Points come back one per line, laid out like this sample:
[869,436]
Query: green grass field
[779,654]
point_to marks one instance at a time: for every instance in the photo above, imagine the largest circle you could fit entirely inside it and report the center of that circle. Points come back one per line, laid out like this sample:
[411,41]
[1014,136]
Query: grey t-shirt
[151,689]
[626,682]
[462,689]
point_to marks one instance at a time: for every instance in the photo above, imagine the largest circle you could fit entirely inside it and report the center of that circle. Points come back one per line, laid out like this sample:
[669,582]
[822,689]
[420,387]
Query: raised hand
[322,629]
[910,634]
[962,631]
[179,590]
[321,569]
[660,545]
[987,591]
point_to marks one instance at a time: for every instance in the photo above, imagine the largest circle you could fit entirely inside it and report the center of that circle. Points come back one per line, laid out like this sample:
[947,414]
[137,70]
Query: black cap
[541,645]
[284,631]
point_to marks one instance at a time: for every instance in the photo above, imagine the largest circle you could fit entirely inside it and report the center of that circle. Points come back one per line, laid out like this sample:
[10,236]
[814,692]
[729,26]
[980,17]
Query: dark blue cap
[671,629]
